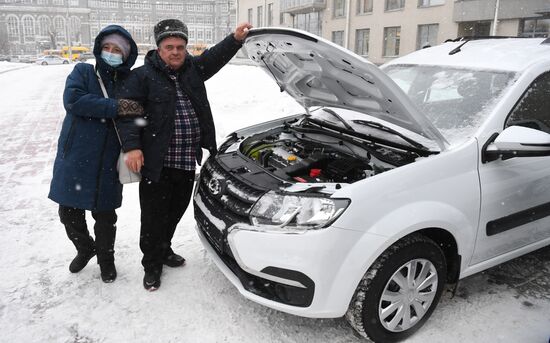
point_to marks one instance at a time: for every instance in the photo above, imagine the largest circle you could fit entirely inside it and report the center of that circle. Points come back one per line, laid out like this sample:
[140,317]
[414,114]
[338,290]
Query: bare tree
[52,32]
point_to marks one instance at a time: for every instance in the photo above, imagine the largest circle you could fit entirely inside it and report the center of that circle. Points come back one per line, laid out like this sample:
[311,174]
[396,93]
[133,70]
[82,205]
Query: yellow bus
[76,51]
[53,52]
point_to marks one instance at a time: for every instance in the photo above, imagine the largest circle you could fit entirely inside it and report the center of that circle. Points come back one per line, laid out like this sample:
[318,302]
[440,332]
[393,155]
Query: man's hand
[242,31]
[134,160]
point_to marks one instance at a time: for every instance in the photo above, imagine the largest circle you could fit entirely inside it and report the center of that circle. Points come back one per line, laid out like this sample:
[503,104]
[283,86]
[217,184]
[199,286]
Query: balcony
[302,6]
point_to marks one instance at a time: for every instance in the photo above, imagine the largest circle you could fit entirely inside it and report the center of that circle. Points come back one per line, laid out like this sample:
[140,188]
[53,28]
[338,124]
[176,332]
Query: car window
[455,100]
[533,109]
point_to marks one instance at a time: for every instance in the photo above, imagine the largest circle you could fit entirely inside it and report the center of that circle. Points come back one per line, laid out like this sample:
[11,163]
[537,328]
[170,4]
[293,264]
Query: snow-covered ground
[41,301]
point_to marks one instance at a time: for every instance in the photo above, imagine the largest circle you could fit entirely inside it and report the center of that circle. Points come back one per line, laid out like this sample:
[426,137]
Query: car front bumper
[310,274]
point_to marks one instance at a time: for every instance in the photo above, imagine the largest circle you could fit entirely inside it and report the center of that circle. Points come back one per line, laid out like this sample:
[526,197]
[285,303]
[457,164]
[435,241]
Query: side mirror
[516,141]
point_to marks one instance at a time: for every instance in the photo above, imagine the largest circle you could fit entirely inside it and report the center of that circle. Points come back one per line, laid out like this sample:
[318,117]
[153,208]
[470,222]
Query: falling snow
[41,301]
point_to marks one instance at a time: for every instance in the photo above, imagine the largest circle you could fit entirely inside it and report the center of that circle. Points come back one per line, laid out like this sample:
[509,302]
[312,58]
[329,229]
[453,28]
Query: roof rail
[463,38]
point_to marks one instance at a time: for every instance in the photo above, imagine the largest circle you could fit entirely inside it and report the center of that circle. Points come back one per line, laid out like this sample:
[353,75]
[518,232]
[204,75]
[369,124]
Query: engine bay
[298,153]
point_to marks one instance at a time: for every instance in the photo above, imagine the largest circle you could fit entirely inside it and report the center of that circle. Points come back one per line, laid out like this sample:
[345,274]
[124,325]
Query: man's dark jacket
[152,87]
[84,171]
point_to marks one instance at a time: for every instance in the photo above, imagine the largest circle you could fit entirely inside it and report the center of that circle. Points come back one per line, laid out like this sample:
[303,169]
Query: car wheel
[399,291]
[65,62]
[44,63]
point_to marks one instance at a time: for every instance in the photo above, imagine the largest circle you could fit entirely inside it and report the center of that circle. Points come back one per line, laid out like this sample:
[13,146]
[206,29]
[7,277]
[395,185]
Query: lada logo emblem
[215,186]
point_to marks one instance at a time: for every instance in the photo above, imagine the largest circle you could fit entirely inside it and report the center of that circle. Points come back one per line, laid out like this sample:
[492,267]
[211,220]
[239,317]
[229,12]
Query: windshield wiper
[457,49]
[342,120]
[384,128]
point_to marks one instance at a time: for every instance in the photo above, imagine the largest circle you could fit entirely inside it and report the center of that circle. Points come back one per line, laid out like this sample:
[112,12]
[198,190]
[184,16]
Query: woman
[84,173]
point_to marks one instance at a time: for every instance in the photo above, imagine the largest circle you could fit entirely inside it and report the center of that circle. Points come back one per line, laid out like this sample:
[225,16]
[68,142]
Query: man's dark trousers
[163,203]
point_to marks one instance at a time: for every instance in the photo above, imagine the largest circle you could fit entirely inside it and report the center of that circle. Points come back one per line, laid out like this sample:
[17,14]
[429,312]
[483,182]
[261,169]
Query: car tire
[44,63]
[65,62]
[382,319]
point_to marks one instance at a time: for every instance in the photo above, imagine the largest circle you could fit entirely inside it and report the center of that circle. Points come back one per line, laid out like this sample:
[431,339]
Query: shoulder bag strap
[102,85]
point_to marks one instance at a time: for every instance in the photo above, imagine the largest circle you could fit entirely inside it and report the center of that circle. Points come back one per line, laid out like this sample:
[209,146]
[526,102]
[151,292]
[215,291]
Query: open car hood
[316,72]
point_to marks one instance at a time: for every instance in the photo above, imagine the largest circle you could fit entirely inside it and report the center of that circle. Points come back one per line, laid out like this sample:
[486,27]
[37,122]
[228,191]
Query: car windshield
[455,100]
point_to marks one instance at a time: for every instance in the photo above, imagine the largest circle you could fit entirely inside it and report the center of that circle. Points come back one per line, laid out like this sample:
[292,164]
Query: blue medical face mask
[114,60]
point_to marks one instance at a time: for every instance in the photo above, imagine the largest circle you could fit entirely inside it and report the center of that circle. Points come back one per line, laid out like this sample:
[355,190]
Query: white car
[394,182]
[51,59]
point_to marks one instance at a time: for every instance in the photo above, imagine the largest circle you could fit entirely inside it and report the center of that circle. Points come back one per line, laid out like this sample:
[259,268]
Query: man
[170,86]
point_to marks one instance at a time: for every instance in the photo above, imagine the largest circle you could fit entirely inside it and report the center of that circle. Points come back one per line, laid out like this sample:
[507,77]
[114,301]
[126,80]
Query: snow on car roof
[511,54]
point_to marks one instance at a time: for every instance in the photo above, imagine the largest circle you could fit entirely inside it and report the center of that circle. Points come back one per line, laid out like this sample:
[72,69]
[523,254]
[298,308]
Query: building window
[362,42]
[392,5]
[270,14]
[260,14]
[310,22]
[208,36]
[392,37]
[250,15]
[364,6]
[427,35]
[535,28]
[339,9]
[57,2]
[73,3]
[41,2]
[200,35]
[13,27]
[28,27]
[338,37]
[59,27]
[43,25]
[428,3]
[74,25]
[474,28]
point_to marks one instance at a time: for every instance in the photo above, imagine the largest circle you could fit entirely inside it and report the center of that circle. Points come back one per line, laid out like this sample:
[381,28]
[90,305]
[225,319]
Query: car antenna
[281,88]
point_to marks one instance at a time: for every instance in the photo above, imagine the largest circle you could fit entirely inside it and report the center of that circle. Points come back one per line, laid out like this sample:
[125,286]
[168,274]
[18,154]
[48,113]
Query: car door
[515,193]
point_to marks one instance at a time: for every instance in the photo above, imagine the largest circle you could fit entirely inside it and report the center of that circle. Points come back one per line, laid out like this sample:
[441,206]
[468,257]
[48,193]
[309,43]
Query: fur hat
[118,40]
[170,27]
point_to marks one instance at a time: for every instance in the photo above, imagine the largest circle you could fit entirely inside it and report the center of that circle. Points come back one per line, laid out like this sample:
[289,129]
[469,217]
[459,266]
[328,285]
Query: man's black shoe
[151,281]
[108,272]
[81,260]
[173,260]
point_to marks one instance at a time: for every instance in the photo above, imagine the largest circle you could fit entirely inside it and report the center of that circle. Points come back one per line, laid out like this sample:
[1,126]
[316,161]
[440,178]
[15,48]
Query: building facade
[381,30]
[31,26]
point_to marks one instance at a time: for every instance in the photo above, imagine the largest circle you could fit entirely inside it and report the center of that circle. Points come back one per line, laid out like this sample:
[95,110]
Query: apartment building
[31,26]
[381,30]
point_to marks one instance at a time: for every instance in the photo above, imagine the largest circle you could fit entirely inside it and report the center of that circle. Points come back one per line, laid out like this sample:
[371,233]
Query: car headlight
[289,211]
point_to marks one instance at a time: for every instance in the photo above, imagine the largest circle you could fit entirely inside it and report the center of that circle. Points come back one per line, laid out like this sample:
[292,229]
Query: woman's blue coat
[84,172]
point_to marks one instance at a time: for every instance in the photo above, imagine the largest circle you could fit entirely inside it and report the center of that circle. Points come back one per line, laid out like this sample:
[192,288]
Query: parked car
[393,182]
[27,59]
[83,57]
[5,58]
[51,59]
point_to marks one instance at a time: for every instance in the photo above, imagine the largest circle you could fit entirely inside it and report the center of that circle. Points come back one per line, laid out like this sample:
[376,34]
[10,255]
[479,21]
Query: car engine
[312,156]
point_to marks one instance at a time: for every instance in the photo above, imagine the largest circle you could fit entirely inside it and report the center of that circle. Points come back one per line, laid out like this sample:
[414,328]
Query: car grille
[234,199]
